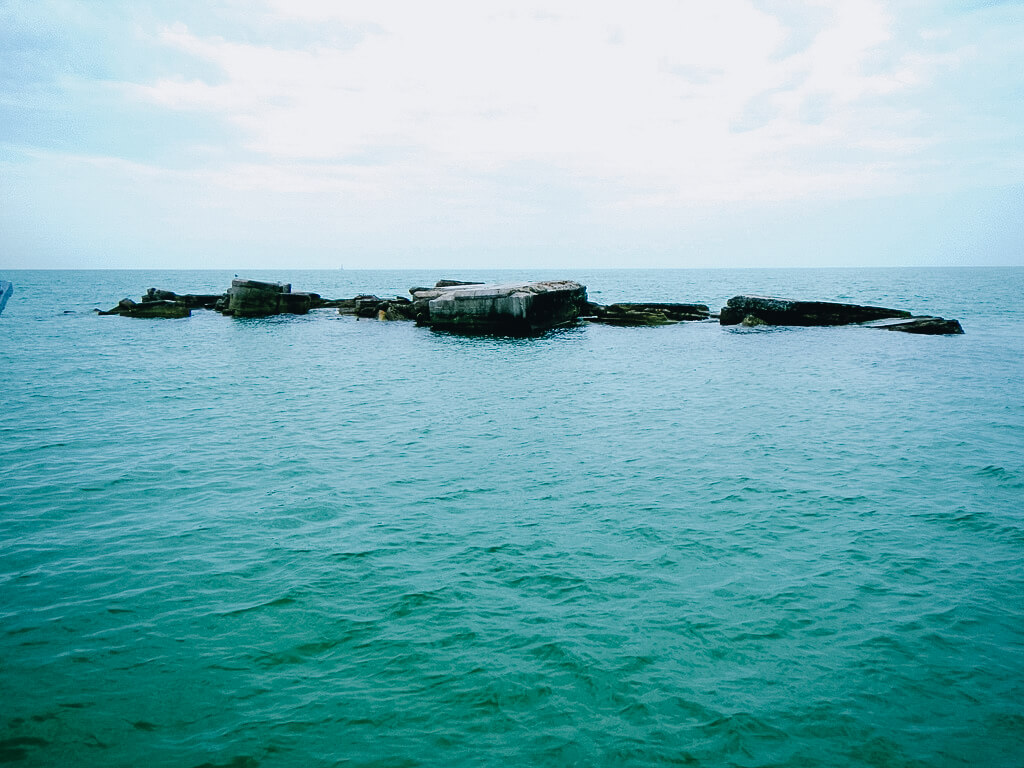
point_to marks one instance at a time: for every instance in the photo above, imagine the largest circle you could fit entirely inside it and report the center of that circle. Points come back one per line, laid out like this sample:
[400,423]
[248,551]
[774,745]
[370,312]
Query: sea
[316,540]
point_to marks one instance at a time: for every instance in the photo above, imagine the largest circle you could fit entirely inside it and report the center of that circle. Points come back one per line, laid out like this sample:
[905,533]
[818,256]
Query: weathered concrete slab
[512,308]
[933,326]
[771,310]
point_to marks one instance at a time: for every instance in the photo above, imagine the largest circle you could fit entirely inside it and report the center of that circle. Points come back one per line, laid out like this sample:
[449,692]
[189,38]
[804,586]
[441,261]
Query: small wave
[275,603]
[413,601]
[1003,476]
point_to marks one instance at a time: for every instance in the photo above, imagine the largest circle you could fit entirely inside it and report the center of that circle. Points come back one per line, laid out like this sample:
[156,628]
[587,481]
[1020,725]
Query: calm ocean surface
[317,541]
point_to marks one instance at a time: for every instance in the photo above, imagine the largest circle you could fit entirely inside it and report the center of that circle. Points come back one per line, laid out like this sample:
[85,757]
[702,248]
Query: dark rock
[201,300]
[633,317]
[936,326]
[155,294]
[367,306]
[254,298]
[391,310]
[294,303]
[512,308]
[452,283]
[776,311]
[345,306]
[150,309]
[647,313]
[398,308]
[190,300]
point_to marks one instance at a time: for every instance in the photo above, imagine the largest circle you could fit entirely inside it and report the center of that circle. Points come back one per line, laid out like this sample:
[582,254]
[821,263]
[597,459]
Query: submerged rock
[776,311]
[452,283]
[511,308]
[647,313]
[934,326]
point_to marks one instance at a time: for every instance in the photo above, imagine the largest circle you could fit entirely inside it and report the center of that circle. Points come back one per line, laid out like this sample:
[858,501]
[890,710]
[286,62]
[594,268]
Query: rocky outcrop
[367,305]
[511,308]
[646,314]
[519,308]
[775,311]
[254,298]
[160,303]
[421,298]
[932,326]
[190,300]
[150,309]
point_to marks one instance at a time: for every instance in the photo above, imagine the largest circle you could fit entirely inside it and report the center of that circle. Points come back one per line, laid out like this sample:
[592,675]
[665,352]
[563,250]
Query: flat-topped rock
[771,310]
[255,298]
[512,308]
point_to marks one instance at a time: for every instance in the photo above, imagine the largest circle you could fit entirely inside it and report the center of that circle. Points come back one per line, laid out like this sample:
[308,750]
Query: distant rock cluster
[523,308]
[767,310]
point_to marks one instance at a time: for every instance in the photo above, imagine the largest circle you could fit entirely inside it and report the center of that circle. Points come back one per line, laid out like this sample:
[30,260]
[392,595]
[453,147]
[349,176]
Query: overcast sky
[571,133]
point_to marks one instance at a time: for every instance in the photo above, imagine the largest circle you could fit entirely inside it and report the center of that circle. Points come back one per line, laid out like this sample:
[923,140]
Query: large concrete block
[513,308]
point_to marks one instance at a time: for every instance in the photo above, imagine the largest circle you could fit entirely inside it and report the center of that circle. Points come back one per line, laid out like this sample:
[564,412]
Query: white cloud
[646,98]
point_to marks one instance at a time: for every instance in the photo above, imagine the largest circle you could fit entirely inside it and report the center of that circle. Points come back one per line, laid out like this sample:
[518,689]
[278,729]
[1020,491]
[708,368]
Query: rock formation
[190,300]
[776,311]
[646,314]
[254,298]
[933,326]
[521,308]
[149,309]
[511,308]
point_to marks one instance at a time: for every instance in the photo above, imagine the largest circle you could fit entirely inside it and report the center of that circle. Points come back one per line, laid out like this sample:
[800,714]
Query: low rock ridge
[770,310]
[647,314]
[522,308]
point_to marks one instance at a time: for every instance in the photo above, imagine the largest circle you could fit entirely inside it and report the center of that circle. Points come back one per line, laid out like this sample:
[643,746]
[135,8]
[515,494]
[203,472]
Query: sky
[190,134]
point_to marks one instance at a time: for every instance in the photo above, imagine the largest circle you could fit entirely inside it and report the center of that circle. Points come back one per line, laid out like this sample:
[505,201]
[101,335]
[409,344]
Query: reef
[523,308]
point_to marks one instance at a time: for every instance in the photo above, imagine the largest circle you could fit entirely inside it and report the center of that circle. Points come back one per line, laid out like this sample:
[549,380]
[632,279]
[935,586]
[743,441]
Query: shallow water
[312,540]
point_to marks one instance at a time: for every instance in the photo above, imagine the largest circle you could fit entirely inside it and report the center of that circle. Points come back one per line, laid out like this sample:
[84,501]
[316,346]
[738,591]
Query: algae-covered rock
[647,313]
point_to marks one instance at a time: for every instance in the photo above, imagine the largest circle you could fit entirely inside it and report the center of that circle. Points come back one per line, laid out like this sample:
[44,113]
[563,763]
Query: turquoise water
[317,541]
